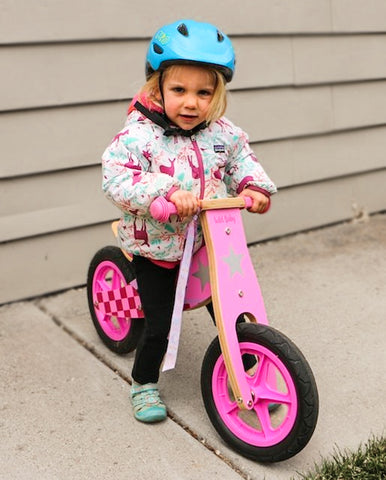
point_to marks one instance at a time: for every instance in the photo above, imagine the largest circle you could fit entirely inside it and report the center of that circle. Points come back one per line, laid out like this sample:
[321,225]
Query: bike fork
[235,291]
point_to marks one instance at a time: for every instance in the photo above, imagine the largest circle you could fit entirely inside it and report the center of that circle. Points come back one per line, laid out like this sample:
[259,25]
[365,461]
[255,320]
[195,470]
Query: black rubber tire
[114,255]
[305,385]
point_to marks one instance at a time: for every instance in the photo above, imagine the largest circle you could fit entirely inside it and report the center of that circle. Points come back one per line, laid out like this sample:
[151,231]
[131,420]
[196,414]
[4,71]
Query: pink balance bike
[258,389]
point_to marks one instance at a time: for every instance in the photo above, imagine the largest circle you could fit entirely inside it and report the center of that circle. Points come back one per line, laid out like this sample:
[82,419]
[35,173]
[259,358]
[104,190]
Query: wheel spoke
[232,409]
[264,419]
[261,374]
[102,284]
[122,322]
[274,396]
[115,280]
[229,404]
[265,384]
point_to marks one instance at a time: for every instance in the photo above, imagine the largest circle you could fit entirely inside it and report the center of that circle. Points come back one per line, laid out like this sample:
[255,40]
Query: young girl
[177,144]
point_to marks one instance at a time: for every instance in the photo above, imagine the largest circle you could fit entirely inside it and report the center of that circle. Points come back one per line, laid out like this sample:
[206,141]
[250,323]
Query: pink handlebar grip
[161,209]
[248,202]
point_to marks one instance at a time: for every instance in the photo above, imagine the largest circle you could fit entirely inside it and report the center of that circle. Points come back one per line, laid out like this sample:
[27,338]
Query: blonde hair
[218,104]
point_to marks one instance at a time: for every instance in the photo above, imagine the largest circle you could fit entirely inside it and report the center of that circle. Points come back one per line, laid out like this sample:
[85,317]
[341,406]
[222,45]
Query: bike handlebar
[161,209]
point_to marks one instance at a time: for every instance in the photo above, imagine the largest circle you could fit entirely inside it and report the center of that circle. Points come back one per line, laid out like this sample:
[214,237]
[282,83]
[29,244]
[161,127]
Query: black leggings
[156,287]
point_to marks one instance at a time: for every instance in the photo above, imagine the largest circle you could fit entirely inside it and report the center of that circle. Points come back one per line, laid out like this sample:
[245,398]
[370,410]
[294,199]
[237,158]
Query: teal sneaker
[147,405]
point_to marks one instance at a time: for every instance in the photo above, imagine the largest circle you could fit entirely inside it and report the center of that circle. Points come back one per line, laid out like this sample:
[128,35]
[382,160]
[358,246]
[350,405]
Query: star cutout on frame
[233,260]
[202,274]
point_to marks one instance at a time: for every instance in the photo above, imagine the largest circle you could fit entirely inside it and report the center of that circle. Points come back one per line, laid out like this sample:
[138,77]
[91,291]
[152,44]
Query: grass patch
[367,463]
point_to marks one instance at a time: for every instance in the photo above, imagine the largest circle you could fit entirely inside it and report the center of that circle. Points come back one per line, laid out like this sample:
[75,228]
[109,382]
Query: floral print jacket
[141,163]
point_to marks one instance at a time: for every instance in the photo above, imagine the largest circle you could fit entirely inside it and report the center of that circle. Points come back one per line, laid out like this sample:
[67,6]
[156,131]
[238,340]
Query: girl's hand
[185,202]
[260,201]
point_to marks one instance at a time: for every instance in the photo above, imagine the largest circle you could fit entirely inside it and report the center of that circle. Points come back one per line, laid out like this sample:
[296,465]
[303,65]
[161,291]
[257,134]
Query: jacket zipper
[197,151]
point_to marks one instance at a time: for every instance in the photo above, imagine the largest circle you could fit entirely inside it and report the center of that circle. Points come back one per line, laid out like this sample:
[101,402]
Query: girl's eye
[178,89]
[205,93]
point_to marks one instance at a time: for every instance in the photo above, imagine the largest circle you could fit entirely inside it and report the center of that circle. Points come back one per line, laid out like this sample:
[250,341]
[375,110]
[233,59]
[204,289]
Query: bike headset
[186,42]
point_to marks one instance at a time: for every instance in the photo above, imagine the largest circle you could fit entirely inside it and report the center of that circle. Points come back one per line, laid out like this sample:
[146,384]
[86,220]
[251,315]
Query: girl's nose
[190,101]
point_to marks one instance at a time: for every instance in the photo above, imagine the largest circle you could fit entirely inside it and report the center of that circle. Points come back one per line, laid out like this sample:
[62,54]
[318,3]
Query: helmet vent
[220,36]
[182,28]
[157,48]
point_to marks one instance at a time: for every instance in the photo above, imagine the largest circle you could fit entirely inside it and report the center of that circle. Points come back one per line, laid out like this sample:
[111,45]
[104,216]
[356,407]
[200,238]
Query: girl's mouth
[188,117]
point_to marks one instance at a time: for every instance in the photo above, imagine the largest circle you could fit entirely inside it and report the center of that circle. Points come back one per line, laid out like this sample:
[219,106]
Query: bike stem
[234,285]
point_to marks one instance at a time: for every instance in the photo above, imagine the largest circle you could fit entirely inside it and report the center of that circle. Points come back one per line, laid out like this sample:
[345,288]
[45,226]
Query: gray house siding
[310,90]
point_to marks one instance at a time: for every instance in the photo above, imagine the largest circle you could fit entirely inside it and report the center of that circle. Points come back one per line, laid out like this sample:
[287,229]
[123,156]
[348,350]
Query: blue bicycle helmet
[190,42]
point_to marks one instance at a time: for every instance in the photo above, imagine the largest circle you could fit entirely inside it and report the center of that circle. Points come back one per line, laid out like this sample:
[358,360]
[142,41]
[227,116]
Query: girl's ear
[160,82]
[157,98]
[157,95]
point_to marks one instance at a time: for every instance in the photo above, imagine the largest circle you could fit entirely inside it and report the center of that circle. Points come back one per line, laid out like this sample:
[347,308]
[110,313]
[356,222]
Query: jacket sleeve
[243,169]
[127,179]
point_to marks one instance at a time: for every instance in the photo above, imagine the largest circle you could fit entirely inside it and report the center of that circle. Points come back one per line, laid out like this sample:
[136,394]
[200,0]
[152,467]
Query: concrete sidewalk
[64,410]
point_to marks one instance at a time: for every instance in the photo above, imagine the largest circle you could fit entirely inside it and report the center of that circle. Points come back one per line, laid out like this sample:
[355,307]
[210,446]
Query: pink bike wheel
[109,270]
[108,276]
[280,376]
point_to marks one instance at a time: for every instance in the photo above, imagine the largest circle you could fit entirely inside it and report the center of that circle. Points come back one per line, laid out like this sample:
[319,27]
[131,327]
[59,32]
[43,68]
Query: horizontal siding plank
[50,191]
[42,21]
[356,105]
[56,262]
[278,113]
[358,15]
[52,139]
[77,136]
[339,59]
[313,205]
[26,21]
[262,62]
[103,71]
[60,260]
[31,224]
[303,160]
[285,112]
[46,75]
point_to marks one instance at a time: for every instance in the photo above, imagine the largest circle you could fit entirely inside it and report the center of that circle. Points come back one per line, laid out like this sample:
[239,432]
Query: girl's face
[187,93]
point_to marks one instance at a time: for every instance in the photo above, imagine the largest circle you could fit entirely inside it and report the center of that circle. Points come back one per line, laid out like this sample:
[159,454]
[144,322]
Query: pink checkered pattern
[123,302]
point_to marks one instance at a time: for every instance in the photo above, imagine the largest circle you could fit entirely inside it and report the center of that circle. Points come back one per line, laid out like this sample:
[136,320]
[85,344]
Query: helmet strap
[161,91]
[164,122]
